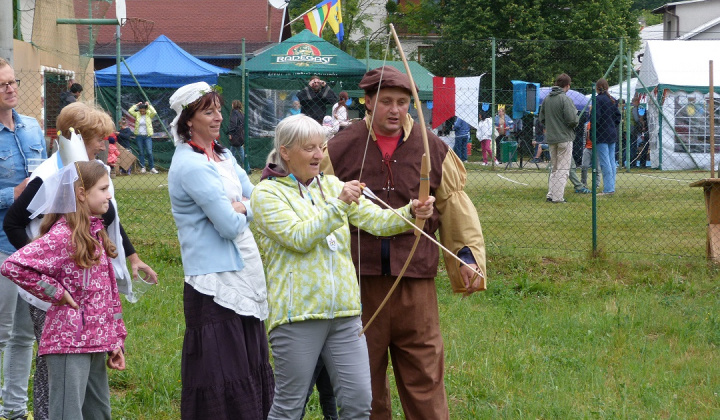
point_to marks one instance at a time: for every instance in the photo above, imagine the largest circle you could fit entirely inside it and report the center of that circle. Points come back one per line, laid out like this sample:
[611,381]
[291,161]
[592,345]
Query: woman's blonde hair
[295,130]
[85,246]
[90,121]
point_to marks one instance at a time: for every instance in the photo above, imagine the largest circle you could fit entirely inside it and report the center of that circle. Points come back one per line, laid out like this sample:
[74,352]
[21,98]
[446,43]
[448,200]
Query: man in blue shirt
[462,136]
[20,139]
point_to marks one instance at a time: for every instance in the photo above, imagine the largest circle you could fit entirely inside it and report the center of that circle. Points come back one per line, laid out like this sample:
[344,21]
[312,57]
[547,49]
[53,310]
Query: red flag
[443,100]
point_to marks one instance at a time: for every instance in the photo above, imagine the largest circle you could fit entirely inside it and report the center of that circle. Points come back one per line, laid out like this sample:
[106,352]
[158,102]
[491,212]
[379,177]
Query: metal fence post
[593,133]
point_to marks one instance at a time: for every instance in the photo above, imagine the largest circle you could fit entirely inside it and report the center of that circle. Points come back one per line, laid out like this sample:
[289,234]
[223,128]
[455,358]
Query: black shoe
[548,199]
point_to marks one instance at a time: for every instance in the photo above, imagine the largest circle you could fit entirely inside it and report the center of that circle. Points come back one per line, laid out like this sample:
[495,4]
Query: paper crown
[71,150]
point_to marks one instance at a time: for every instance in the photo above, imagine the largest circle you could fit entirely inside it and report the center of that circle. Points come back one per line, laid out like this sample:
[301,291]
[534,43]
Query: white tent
[676,74]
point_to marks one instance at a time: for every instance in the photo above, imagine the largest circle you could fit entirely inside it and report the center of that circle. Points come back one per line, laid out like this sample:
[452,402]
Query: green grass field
[633,333]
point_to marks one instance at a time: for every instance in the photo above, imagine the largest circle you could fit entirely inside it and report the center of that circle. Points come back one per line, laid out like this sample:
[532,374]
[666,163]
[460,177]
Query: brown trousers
[409,327]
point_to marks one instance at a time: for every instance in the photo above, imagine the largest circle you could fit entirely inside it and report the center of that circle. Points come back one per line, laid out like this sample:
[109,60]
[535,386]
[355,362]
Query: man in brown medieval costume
[408,327]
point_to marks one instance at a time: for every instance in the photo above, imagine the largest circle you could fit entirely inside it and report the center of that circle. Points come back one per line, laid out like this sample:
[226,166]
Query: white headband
[183,97]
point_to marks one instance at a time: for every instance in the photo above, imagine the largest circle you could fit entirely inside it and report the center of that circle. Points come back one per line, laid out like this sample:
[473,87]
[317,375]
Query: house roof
[700,29]
[666,6]
[202,28]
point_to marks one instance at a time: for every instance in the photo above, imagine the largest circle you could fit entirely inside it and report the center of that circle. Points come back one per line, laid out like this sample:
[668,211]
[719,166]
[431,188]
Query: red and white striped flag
[455,96]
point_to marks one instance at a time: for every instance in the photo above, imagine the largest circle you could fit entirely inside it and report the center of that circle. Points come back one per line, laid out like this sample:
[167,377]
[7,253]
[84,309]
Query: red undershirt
[387,145]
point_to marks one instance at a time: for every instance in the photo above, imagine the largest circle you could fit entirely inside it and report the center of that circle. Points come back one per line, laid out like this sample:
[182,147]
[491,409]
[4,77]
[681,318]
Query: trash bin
[508,151]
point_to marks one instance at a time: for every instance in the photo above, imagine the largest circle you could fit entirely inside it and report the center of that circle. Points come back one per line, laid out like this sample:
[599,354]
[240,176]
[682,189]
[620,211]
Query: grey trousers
[78,386]
[16,348]
[295,350]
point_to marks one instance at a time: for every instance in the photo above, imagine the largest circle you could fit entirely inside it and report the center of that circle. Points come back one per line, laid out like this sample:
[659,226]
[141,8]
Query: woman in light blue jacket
[302,219]
[225,372]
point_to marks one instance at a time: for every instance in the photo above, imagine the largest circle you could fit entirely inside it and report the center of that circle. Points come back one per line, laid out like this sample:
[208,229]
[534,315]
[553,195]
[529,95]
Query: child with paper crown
[70,266]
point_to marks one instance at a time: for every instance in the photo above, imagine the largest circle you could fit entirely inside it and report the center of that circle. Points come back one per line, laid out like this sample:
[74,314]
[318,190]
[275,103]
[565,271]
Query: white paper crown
[73,149]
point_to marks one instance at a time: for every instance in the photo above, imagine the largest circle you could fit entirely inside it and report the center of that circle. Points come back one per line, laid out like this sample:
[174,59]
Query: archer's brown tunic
[396,181]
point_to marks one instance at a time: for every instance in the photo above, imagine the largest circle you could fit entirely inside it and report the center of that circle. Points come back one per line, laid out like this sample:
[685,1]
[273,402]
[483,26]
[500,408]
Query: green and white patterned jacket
[306,279]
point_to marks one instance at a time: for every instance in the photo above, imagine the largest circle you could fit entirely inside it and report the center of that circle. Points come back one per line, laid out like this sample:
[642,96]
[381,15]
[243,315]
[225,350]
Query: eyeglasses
[14,84]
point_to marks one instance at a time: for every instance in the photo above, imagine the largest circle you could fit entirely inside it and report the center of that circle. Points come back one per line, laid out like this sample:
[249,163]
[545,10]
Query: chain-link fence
[650,209]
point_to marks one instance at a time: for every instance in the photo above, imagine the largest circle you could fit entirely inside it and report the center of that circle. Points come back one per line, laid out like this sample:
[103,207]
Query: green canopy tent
[422,76]
[273,77]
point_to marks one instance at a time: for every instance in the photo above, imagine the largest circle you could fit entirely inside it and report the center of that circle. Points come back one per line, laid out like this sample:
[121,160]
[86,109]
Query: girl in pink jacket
[69,265]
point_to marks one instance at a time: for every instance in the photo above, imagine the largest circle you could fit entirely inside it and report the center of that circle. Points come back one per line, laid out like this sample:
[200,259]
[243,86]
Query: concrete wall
[54,49]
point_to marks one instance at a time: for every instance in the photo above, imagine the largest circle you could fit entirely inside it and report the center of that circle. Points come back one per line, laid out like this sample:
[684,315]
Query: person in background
[586,164]
[143,112]
[93,124]
[559,116]
[124,136]
[408,330]
[302,219]
[607,120]
[445,133]
[71,95]
[225,370]
[236,132]
[70,266]
[330,128]
[639,133]
[339,112]
[23,139]
[504,125]
[462,136]
[539,141]
[315,98]
[484,135]
[294,109]
[113,155]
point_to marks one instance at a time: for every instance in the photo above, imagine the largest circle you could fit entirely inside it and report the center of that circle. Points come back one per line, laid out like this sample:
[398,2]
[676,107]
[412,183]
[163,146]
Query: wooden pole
[304,13]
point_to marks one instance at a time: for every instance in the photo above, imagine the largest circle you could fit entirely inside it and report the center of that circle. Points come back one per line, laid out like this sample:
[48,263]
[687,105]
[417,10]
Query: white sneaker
[153,170]
[142,170]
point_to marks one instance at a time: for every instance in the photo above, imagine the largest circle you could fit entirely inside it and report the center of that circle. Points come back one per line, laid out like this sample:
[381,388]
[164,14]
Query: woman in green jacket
[302,219]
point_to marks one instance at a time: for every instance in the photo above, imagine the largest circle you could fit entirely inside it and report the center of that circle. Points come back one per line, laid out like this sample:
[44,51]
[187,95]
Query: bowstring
[367,142]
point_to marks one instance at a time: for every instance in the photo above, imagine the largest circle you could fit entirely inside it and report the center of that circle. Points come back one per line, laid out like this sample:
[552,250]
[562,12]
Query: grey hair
[295,130]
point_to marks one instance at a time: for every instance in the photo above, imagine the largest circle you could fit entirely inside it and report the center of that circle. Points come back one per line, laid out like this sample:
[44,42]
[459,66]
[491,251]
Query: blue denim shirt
[462,129]
[16,147]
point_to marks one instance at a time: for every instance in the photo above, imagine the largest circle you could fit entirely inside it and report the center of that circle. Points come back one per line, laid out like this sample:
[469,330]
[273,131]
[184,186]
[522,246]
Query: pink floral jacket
[46,269]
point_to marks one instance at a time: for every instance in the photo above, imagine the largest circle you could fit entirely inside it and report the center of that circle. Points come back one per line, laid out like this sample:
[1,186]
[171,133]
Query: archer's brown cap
[391,77]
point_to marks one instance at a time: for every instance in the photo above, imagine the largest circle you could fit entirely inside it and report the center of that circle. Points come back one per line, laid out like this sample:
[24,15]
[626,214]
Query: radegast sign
[304,55]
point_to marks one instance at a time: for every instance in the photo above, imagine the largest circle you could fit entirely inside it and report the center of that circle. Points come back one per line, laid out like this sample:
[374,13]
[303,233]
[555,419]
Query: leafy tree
[535,39]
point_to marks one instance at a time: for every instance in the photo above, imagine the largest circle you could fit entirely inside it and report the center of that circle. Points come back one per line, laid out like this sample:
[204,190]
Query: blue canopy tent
[159,68]
[161,64]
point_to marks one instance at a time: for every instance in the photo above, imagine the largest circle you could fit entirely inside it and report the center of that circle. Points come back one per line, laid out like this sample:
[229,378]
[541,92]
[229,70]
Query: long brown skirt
[226,373]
